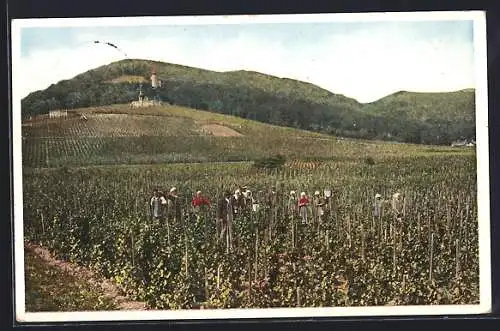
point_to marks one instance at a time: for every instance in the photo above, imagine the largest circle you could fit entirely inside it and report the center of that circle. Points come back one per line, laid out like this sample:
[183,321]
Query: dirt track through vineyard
[109,289]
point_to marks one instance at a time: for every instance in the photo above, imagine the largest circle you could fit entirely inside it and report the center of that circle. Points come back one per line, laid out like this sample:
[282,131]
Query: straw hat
[292,192]
[316,193]
[173,189]
[302,194]
[377,196]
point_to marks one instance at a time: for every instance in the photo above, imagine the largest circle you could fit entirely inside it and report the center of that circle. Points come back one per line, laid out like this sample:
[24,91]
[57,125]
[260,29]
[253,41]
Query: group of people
[242,201]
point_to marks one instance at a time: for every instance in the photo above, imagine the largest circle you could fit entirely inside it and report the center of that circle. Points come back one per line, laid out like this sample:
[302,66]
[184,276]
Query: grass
[50,289]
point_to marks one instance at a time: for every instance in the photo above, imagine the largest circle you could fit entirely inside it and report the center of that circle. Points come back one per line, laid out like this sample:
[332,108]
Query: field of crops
[99,217]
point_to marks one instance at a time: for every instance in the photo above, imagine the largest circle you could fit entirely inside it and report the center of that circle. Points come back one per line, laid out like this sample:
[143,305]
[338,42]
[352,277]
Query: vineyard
[120,135]
[99,217]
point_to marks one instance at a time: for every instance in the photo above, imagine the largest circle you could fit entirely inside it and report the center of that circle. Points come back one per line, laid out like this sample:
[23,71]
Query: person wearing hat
[247,200]
[269,205]
[256,201]
[237,202]
[318,203]
[293,202]
[303,205]
[377,205]
[156,205]
[174,205]
[244,191]
[397,204]
[199,202]
[224,218]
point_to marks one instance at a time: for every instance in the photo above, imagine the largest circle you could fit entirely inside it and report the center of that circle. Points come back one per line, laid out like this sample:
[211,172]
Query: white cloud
[365,66]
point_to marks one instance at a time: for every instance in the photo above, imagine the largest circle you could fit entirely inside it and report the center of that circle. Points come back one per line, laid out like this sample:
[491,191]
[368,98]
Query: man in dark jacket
[224,218]
[174,206]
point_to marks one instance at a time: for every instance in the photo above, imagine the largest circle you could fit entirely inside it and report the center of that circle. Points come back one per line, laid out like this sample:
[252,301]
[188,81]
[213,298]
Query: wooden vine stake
[256,254]
[394,263]
[418,224]
[457,258]
[298,297]
[431,249]
[362,243]
[218,276]
[349,230]
[186,254]
[327,241]
[168,233]
[43,224]
[206,284]
[133,248]
[250,277]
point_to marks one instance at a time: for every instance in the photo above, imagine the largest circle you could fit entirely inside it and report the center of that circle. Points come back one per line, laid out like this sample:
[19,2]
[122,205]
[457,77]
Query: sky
[362,60]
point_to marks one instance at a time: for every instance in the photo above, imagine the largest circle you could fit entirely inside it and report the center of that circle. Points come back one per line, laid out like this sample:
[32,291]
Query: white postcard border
[482,141]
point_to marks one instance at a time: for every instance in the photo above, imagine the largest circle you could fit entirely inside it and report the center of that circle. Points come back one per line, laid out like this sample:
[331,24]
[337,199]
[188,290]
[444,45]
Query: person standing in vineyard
[224,218]
[292,204]
[237,202]
[247,199]
[377,205]
[256,200]
[303,205]
[201,206]
[397,205]
[328,195]
[174,205]
[199,203]
[156,205]
[318,204]
[271,205]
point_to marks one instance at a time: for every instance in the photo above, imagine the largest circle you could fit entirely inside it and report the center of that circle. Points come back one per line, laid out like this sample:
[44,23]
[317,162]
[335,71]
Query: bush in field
[369,160]
[274,162]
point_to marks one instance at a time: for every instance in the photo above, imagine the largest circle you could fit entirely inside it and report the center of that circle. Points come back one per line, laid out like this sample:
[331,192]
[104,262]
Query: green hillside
[267,99]
[117,134]
[446,115]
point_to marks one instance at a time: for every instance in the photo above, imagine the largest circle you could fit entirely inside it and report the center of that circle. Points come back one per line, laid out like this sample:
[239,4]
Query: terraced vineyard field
[120,135]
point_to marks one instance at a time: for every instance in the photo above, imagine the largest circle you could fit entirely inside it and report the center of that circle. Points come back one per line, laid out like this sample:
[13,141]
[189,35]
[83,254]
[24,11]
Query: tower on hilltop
[155,82]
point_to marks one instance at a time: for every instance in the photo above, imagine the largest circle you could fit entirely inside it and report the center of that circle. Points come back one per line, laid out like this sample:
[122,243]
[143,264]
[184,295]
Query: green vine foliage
[99,218]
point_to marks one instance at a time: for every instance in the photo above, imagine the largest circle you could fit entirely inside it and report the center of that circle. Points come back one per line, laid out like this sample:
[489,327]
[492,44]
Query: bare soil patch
[127,79]
[220,130]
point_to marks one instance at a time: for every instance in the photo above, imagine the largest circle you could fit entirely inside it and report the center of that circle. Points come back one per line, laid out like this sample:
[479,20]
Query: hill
[118,134]
[264,98]
[435,116]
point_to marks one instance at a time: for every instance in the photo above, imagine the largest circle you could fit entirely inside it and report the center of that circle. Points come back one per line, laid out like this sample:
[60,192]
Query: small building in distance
[58,113]
[463,143]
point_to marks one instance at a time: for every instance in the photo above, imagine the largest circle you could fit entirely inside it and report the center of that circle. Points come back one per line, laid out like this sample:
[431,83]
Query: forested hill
[444,116]
[408,117]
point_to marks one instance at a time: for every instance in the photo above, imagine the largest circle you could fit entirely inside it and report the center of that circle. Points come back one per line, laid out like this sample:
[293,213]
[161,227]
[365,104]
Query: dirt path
[109,289]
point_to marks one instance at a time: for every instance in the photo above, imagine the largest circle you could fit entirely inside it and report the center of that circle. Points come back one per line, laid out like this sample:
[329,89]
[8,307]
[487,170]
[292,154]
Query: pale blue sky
[362,60]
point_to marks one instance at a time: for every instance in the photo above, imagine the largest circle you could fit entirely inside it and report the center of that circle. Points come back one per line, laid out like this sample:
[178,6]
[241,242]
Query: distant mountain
[404,116]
